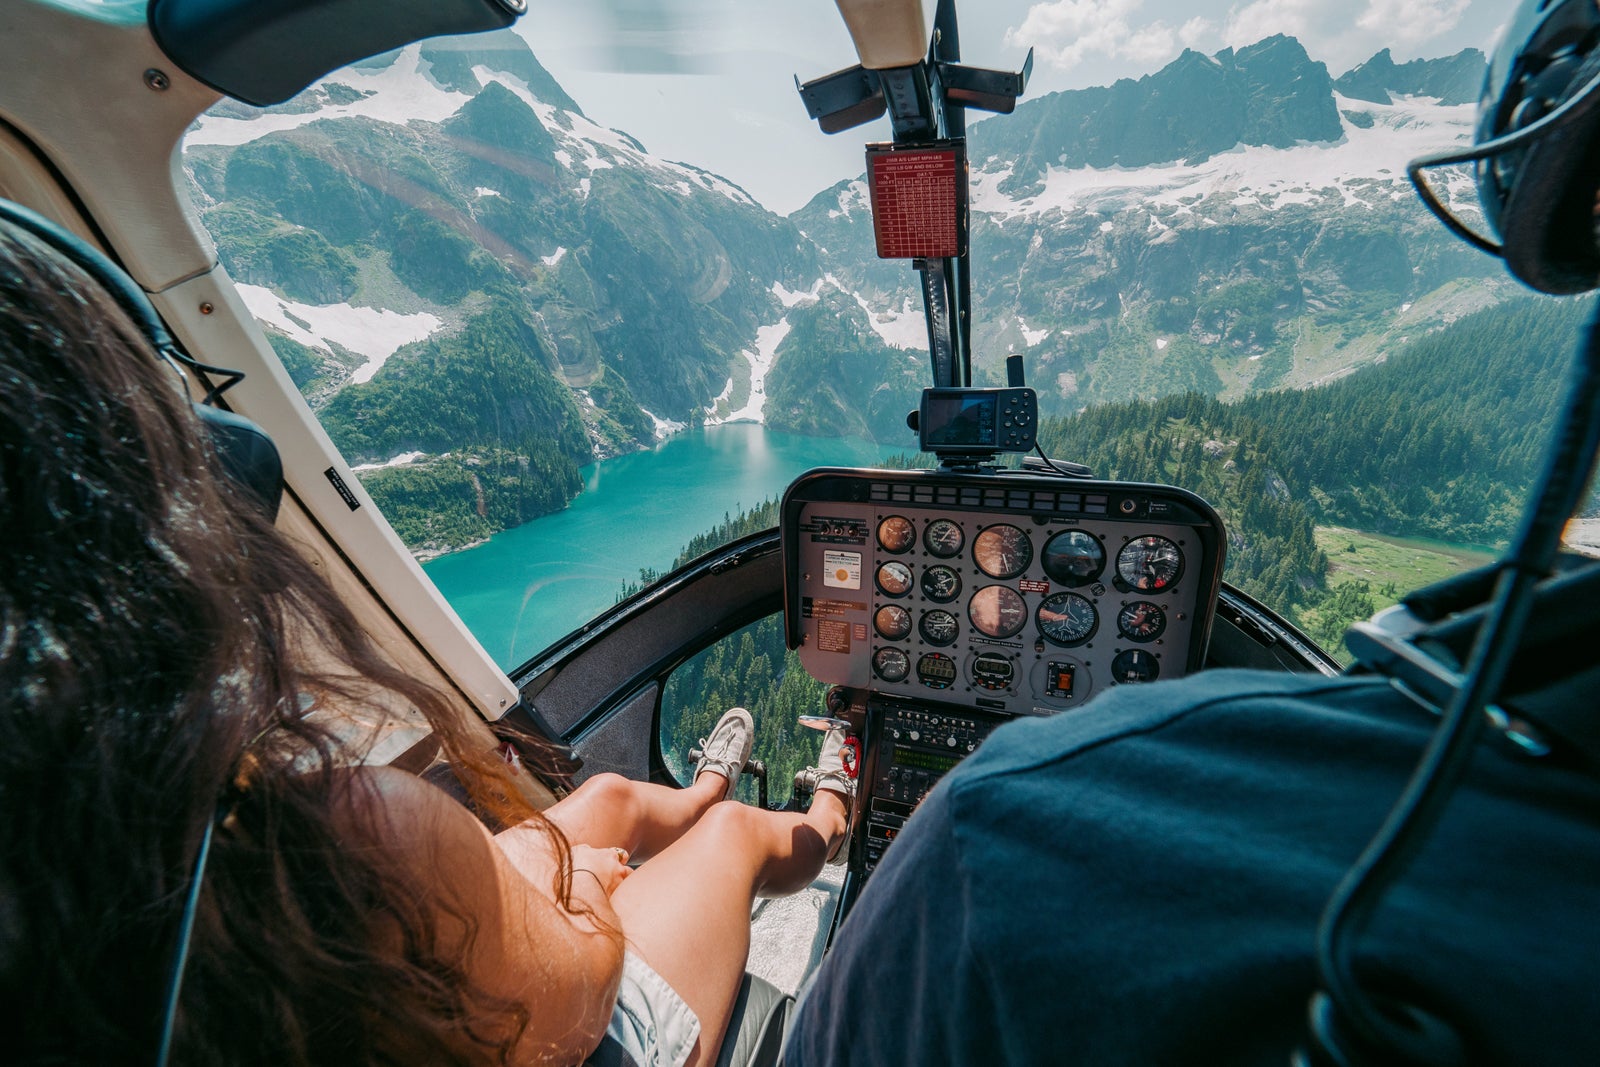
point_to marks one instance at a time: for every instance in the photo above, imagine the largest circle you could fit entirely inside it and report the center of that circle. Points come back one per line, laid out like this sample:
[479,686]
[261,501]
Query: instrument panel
[1009,591]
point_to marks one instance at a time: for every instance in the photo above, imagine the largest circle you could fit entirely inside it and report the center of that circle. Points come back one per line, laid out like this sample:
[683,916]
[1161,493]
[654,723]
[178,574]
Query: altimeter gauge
[998,611]
[1002,551]
[1150,564]
[1067,619]
[894,578]
[893,622]
[943,538]
[1141,621]
[896,534]
[941,584]
[938,627]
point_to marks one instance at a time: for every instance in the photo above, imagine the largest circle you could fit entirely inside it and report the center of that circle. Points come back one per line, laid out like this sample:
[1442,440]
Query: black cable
[1388,1031]
[180,955]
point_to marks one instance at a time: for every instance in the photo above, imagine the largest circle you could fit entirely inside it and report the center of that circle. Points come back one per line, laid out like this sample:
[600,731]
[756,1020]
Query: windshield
[577,300]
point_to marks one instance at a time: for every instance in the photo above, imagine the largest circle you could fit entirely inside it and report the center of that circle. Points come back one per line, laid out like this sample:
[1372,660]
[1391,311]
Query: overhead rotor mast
[919,180]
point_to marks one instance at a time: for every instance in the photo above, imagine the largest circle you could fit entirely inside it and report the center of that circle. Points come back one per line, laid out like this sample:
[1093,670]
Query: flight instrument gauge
[1149,564]
[941,584]
[991,670]
[1073,558]
[998,611]
[894,578]
[1135,665]
[896,534]
[936,670]
[943,538]
[1067,619]
[1141,621]
[891,664]
[893,622]
[938,628]
[1002,551]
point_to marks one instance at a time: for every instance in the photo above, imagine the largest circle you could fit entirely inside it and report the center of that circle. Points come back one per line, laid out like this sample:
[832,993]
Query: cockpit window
[555,356]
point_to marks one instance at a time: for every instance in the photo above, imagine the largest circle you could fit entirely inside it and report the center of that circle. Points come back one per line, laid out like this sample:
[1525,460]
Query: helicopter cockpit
[925,607]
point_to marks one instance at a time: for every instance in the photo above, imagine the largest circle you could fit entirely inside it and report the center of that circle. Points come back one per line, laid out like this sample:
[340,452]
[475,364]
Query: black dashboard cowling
[264,53]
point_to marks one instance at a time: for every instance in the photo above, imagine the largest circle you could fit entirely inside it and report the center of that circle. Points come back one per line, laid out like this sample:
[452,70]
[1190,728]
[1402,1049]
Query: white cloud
[1066,32]
[1263,18]
[1410,22]
[1341,33]
[1196,30]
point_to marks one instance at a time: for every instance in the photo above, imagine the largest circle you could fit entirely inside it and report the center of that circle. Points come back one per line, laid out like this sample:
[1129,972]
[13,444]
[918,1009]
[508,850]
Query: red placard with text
[919,199]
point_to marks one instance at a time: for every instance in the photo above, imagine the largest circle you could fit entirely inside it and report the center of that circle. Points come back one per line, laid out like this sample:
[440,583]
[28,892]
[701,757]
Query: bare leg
[610,811]
[687,912]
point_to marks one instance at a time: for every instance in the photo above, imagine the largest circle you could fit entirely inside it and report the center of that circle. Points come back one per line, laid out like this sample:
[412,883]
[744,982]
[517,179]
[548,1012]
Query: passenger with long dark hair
[173,676]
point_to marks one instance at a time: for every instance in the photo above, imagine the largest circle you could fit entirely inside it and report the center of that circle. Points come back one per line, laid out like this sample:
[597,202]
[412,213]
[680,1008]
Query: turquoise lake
[524,588]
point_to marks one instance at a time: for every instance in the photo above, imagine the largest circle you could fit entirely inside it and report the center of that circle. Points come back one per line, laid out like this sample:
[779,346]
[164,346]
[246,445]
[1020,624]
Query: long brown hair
[154,630]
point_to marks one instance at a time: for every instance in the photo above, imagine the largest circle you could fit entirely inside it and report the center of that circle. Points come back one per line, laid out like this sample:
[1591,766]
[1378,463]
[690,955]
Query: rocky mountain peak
[1453,79]
[1270,93]
[451,61]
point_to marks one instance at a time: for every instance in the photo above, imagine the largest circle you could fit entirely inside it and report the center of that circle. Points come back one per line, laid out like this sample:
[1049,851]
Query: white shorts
[651,1022]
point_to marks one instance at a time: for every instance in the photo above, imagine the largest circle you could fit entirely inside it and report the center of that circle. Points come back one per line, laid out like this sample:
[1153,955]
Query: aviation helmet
[1537,148]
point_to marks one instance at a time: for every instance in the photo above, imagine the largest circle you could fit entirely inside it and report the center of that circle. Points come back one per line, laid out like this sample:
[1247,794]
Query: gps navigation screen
[960,420]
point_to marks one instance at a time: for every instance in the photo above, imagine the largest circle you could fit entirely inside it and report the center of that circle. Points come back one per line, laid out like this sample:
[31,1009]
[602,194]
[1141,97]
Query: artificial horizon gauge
[1002,551]
[941,584]
[896,534]
[938,627]
[998,611]
[1074,558]
[1150,563]
[1141,621]
[894,578]
[1067,619]
[891,664]
[893,622]
[943,538]
[1135,665]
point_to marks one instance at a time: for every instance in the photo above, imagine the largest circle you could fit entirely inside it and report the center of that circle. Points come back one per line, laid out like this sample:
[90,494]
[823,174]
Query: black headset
[249,457]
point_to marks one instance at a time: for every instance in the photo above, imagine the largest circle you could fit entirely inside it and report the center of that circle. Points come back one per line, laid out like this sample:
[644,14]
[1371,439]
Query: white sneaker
[728,748]
[831,774]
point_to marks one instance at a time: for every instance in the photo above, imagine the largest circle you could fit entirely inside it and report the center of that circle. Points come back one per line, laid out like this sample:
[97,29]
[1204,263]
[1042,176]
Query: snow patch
[376,333]
[1363,166]
[851,197]
[1107,227]
[768,338]
[789,298]
[484,190]
[1161,344]
[404,459]
[554,257]
[906,328]
[665,428]
[1033,337]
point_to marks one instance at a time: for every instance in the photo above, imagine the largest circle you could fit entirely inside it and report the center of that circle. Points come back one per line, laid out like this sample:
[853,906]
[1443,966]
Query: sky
[711,82]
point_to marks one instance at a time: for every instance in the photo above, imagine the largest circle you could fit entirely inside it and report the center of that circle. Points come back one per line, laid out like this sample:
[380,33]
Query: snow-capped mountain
[1230,222]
